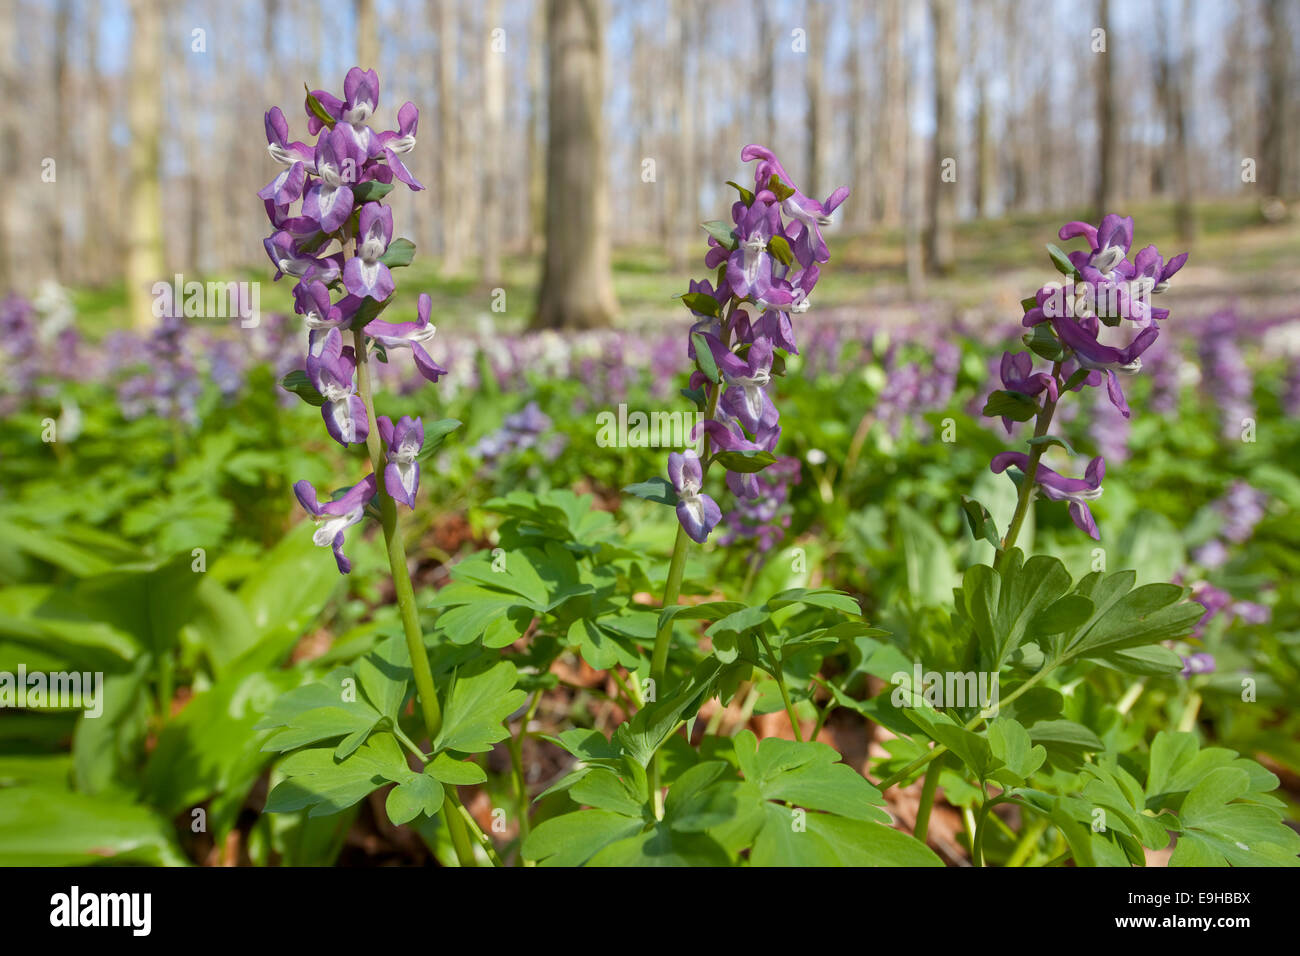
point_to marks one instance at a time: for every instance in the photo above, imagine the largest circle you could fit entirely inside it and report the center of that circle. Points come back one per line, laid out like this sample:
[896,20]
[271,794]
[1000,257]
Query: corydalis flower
[809,214]
[403,442]
[1077,491]
[697,512]
[399,143]
[338,164]
[410,335]
[334,517]
[364,274]
[746,397]
[331,372]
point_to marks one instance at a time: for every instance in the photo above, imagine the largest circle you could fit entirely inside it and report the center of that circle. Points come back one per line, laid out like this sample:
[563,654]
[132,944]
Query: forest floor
[1237,258]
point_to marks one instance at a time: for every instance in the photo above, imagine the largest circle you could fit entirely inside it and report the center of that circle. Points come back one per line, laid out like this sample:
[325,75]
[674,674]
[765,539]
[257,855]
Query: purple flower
[336,516]
[1077,491]
[749,267]
[697,512]
[1241,508]
[403,442]
[364,274]
[289,259]
[747,379]
[397,144]
[287,186]
[410,335]
[1199,663]
[361,99]
[1018,375]
[338,164]
[808,214]
[331,372]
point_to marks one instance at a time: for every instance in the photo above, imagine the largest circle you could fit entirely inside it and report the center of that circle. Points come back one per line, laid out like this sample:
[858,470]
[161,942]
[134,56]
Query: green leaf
[434,433]
[420,793]
[53,826]
[371,191]
[1217,831]
[574,838]
[1049,440]
[746,462]
[746,196]
[781,251]
[704,357]
[980,521]
[457,773]
[703,303]
[720,231]
[400,253]
[1042,341]
[479,701]
[315,779]
[659,490]
[314,106]
[1016,406]
[298,383]
[1060,260]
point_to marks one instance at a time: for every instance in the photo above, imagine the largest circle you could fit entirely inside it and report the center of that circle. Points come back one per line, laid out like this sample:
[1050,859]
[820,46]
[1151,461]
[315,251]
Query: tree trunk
[450,173]
[367,35]
[1108,141]
[1274,154]
[815,65]
[577,288]
[144,264]
[494,96]
[895,122]
[943,194]
[912,199]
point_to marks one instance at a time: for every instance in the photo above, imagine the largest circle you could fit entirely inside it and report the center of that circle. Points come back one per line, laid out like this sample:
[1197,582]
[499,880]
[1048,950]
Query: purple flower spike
[364,275]
[410,335]
[335,517]
[697,512]
[331,372]
[1077,491]
[403,441]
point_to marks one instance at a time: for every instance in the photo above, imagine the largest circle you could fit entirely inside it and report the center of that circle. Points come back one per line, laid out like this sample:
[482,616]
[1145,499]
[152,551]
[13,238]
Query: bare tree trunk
[62,153]
[144,264]
[683,190]
[815,66]
[767,70]
[1173,72]
[912,199]
[367,34]
[577,288]
[494,96]
[1108,141]
[8,135]
[1274,153]
[893,135]
[943,194]
[536,218]
[450,172]
[986,176]
[859,212]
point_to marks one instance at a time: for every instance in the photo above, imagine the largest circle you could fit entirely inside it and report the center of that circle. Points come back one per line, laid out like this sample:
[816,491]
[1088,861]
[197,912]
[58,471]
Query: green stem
[977,842]
[517,765]
[404,591]
[1031,470]
[1028,842]
[778,673]
[927,800]
[659,660]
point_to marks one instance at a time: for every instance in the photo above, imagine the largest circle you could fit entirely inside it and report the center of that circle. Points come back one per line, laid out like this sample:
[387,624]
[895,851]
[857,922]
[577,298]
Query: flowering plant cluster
[767,261]
[340,182]
[1104,294]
